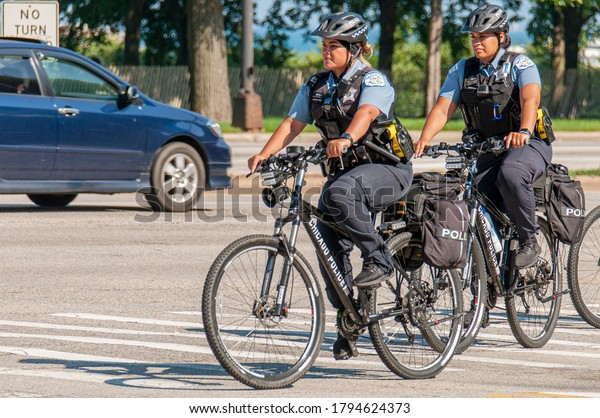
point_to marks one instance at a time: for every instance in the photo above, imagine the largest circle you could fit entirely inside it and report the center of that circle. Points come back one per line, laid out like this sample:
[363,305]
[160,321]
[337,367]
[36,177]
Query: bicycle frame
[302,212]
[501,273]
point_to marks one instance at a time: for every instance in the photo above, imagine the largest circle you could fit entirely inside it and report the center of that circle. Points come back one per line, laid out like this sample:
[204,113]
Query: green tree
[94,20]
[563,26]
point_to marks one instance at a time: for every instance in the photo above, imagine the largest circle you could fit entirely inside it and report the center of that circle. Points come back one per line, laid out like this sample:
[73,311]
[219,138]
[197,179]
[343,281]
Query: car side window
[17,75]
[69,79]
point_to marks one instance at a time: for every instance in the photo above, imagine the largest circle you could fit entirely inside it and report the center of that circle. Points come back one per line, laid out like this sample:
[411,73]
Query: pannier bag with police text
[565,204]
[445,221]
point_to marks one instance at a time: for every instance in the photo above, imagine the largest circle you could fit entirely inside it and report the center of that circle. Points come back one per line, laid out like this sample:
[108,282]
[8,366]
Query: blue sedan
[71,126]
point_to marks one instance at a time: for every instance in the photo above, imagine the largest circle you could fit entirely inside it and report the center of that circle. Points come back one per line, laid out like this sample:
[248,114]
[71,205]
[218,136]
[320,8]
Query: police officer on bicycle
[348,103]
[498,93]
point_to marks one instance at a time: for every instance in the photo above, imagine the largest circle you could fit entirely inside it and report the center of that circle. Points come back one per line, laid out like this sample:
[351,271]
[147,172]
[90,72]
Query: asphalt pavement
[103,299]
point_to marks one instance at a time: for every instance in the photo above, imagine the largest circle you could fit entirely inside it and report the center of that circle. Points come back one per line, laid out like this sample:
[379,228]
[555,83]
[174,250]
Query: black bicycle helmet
[344,26]
[488,18]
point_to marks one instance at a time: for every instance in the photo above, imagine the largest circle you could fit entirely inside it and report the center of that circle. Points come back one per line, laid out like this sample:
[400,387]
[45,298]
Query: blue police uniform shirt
[523,71]
[375,90]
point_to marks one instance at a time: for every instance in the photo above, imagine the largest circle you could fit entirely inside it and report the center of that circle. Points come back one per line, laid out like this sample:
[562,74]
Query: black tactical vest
[491,105]
[332,110]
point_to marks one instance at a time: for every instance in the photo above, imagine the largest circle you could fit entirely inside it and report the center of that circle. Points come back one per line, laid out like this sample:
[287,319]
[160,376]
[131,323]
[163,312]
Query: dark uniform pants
[352,198]
[506,180]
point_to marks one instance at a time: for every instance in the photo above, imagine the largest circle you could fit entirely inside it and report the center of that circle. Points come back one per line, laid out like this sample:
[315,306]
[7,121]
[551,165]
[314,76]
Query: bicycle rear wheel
[584,270]
[534,307]
[416,303]
[256,346]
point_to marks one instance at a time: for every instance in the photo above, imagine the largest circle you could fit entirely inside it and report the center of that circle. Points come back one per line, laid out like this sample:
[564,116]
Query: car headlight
[215,128]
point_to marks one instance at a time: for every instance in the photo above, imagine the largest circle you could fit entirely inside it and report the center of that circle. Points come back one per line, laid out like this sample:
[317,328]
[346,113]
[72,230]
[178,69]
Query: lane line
[61,355]
[128,319]
[44,325]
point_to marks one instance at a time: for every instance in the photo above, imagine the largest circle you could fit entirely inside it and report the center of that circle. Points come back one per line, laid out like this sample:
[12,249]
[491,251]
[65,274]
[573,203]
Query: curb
[444,136]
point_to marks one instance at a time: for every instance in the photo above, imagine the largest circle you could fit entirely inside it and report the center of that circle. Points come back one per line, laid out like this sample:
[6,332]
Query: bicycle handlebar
[493,144]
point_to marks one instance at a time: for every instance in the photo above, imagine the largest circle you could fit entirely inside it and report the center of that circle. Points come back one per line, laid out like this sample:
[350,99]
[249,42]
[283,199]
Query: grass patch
[586,172]
[416,124]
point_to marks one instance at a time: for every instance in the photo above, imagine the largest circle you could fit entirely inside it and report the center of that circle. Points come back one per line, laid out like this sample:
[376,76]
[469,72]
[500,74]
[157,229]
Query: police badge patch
[350,95]
[374,80]
[522,62]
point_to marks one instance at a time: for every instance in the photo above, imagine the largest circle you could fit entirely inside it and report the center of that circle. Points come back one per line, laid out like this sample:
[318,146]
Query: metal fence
[278,88]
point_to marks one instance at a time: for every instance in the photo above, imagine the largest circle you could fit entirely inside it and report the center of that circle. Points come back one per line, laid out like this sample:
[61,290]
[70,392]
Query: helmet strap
[355,54]
[355,50]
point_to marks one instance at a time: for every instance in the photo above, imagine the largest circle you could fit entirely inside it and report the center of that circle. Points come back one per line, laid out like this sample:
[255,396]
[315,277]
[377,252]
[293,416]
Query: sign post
[31,19]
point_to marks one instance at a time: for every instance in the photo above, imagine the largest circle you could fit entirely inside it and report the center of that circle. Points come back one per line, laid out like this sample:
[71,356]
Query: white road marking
[323,358]
[128,319]
[112,341]
[60,355]
[97,329]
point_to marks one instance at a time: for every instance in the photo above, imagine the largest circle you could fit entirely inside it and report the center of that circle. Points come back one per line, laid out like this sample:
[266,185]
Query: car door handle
[68,111]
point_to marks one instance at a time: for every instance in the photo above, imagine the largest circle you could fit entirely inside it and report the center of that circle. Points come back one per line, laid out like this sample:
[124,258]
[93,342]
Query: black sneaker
[371,274]
[342,349]
[528,254]
[486,318]
[469,316]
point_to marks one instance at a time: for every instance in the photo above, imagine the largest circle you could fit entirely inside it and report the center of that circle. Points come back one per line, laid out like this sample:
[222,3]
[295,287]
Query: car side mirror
[126,96]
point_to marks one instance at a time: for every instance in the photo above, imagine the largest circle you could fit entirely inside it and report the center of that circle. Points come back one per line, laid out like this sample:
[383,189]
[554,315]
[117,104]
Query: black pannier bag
[565,204]
[445,220]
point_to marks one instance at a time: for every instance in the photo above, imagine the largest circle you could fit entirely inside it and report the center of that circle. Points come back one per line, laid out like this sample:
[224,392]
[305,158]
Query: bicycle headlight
[272,197]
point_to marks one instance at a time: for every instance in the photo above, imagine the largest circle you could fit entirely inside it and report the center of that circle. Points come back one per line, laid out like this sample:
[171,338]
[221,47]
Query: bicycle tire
[400,344]
[533,330]
[260,350]
[583,272]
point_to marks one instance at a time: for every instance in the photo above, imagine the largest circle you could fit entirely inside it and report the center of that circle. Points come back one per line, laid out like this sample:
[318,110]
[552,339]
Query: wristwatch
[526,131]
[348,137]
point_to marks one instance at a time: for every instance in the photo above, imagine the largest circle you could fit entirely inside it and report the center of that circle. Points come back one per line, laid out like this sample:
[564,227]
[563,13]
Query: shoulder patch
[374,79]
[522,62]
[454,68]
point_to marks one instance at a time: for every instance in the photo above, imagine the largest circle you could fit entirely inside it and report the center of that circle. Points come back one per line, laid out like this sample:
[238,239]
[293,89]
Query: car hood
[172,112]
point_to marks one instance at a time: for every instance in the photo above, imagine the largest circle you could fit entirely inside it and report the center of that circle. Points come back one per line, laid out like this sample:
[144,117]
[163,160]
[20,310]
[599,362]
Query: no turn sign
[31,19]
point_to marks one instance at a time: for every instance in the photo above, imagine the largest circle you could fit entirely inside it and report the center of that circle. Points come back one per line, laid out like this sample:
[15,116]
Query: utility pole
[247,105]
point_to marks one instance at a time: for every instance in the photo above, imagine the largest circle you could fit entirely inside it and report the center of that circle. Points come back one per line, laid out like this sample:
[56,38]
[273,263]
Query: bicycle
[263,307]
[583,273]
[533,295]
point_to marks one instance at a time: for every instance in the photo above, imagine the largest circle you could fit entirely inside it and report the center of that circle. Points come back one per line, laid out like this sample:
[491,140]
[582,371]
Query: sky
[518,30]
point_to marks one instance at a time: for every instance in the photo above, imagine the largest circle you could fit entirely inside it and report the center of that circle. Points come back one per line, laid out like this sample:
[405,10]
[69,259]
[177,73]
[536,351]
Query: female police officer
[499,94]
[348,103]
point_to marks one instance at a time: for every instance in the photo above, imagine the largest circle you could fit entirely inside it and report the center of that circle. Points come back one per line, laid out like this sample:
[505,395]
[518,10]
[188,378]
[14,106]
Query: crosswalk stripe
[60,355]
[128,319]
[97,329]
[112,341]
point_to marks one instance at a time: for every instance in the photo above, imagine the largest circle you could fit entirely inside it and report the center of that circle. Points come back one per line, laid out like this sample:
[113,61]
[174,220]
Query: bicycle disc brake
[263,309]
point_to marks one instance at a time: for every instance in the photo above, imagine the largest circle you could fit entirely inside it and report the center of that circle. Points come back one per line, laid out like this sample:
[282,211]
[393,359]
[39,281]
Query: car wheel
[178,177]
[52,200]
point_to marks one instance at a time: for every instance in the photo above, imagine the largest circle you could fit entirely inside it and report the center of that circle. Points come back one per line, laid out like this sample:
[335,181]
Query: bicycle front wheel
[256,345]
[417,303]
[584,270]
[534,307]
